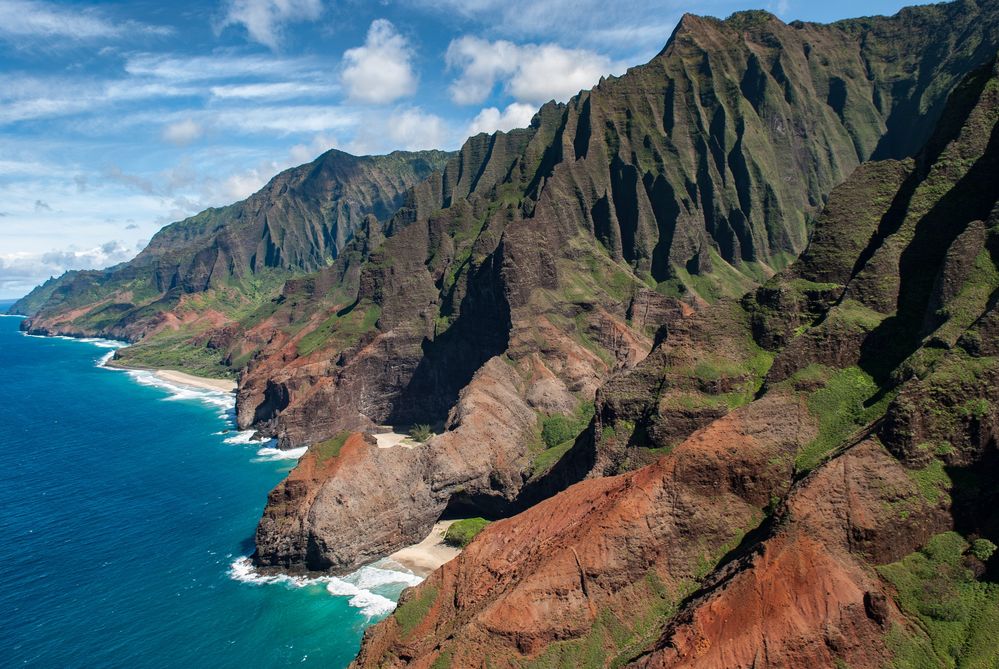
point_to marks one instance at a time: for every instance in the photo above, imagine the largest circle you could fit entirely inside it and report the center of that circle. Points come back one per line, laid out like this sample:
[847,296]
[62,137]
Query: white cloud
[408,129]
[183,132]
[481,64]
[242,185]
[20,272]
[549,71]
[490,119]
[306,153]
[33,98]
[278,90]
[531,73]
[264,19]
[779,7]
[645,24]
[217,66]
[28,18]
[287,120]
[381,71]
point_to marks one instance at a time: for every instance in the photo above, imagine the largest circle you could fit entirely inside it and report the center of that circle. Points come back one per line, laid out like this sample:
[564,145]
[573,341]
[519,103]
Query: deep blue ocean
[125,507]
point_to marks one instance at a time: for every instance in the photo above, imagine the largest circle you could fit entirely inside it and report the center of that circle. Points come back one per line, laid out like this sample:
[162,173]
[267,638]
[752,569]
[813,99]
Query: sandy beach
[392,439]
[426,556]
[223,385]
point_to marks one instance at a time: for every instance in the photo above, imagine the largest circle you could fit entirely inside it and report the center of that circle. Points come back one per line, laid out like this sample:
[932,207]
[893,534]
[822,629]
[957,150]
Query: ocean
[127,507]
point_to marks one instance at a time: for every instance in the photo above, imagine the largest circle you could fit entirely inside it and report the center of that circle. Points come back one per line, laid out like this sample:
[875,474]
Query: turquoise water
[123,510]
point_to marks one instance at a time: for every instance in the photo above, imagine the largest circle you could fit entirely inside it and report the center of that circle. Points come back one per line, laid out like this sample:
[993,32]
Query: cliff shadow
[480,331]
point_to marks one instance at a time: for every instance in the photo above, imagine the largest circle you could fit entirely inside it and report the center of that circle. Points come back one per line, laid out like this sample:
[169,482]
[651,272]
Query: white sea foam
[358,586]
[216,398]
[96,341]
[102,343]
[271,454]
[371,603]
[243,437]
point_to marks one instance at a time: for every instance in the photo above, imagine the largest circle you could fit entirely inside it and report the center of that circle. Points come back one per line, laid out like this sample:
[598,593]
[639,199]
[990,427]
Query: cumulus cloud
[409,129]
[381,71]
[183,132]
[264,19]
[31,19]
[20,272]
[533,73]
[490,119]
[306,153]
[42,206]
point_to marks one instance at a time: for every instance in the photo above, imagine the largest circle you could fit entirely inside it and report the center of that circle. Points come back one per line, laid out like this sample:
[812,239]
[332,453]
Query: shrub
[556,429]
[421,433]
[983,549]
[461,532]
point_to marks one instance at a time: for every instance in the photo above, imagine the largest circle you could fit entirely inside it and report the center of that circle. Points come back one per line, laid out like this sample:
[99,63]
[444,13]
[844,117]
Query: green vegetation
[179,351]
[855,313]
[461,532]
[840,409]
[557,429]
[957,615]
[421,433]
[724,280]
[411,613]
[742,377]
[341,330]
[330,448]
[931,480]
[971,301]
[548,457]
[614,641]
[558,434]
[443,661]
[983,549]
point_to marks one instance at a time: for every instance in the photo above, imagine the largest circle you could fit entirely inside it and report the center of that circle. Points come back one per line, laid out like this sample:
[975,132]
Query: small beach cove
[132,503]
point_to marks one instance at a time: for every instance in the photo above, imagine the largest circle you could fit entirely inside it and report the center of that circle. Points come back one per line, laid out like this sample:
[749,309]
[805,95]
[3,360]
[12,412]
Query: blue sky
[117,118]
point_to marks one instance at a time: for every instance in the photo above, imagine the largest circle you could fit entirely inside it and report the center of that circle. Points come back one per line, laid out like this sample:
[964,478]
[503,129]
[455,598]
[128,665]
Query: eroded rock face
[367,502]
[546,574]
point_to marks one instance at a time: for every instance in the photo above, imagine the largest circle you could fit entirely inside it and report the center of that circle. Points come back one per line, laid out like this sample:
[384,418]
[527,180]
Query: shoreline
[426,556]
[200,382]
[168,375]
[180,378]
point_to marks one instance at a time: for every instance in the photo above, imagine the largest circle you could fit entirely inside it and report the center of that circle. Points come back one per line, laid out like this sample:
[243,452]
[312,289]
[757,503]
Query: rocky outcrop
[371,501]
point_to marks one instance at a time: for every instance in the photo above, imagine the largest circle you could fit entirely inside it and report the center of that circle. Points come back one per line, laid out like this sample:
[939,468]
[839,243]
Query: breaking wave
[360,587]
[270,454]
